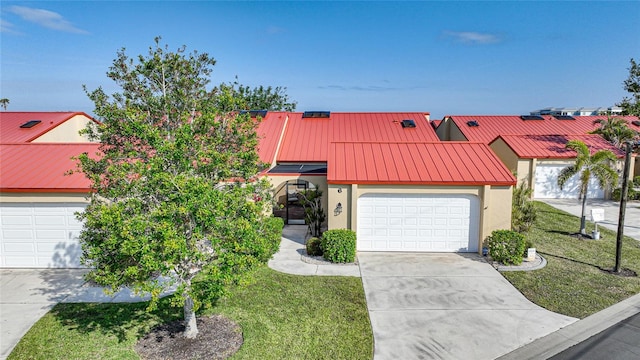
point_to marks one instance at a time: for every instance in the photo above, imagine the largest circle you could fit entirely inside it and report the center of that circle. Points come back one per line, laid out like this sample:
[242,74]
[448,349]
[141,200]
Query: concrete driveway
[447,306]
[26,295]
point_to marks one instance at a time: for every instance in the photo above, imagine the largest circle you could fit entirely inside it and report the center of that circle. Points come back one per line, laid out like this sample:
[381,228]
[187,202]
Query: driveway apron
[447,306]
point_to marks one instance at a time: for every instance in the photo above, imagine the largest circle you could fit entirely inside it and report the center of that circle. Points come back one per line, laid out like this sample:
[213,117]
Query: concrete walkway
[27,294]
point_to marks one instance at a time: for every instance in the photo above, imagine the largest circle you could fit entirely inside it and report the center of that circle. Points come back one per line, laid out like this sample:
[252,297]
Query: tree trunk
[191,327]
[583,219]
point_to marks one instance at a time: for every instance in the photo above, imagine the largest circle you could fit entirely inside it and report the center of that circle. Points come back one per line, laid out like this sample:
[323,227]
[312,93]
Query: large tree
[631,105]
[615,130]
[175,185]
[587,166]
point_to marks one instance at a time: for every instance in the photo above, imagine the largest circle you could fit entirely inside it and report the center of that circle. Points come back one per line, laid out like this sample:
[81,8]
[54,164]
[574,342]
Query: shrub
[339,245]
[632,194]
[313,247]
[523,213]
[506,246]
[636,181]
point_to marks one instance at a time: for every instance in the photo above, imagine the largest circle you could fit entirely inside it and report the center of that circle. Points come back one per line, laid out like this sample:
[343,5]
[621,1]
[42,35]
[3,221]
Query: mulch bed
[218,338]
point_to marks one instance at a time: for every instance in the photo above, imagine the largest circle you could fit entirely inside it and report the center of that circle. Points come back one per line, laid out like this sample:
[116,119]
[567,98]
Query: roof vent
[255,113]
[30,124]
[564,117]
[636,122]
[408,123]
[531,117]
[472,123]
[316,114]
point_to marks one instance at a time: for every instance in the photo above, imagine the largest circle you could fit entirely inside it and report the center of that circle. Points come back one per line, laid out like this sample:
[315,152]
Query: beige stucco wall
[67,131]
[495,203]
[44,198]
[449,131]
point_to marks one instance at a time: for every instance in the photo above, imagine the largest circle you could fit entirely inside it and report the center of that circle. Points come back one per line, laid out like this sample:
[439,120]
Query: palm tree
[4,102]
[615,131]
[587,166]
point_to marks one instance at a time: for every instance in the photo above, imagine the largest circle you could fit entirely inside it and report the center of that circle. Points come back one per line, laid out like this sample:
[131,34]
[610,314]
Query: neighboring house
[538,160]
[385,175]
[583,111]
[34,127]
[38,202]
[388,177]
[487,129]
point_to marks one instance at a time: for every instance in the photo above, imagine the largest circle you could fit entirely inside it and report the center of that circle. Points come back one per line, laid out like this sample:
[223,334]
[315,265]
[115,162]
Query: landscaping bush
[506,246]
[339,245]
[313,247]
[632,194]
[636,181]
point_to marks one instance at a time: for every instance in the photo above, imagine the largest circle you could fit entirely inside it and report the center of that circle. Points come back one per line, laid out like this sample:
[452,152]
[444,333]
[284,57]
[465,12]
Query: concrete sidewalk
[27,294]
[611,212]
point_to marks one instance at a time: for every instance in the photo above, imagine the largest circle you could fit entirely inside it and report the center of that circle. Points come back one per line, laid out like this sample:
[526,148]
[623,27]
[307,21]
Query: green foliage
[523,212]
[4,102]
[259,98]
[616,131]
[636,181]
[314,247]
[598,165]
[314,215]
[631,105]
[506,246]
[175,186]
[339,245]
[632,194]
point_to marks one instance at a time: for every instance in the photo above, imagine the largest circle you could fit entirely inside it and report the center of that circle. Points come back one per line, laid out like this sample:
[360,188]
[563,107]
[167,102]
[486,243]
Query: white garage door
[546,184]
[40,235]
[420,222]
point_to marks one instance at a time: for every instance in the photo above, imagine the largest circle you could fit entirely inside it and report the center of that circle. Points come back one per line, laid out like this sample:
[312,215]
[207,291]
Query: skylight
[636,122]
[31,123]
[472,123]
[255,113]
[408,123]
[316,114]
[531,117]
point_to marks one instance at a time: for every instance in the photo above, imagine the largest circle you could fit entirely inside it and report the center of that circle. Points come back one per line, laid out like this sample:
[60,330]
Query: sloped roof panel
[42,167]
[11,132]
[554,146]
[407,163]
[270,132]
[490,127]
[308,139]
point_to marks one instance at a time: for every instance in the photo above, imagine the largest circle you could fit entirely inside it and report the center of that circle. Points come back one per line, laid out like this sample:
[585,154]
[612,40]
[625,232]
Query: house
[38,204]
[388,177]
[385,175]
[538,160]
[487,128]
[36,127]
[583,111]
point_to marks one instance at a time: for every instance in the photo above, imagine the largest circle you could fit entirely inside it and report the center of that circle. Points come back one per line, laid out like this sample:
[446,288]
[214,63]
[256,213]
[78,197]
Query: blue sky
[465,58]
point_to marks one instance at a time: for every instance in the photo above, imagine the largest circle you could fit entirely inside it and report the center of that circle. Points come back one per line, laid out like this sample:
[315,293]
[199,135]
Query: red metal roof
[490,127]
[270,131]
[11,132]
[554,146]
[411,163]
[308,139]
[41,167]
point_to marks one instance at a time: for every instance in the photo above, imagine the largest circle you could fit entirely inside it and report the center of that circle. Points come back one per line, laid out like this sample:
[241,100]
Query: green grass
[575,281]
[282,317]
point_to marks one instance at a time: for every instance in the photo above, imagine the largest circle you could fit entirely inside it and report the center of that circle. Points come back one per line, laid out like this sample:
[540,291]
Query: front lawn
[575,281]
[282,317]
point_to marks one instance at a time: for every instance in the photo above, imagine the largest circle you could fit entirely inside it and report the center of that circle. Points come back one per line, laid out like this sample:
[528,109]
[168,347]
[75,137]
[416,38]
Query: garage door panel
[546,184]
[40,235]
[430,222]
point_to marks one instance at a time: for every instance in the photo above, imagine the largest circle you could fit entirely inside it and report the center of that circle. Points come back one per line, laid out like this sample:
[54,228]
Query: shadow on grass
[121,320]
[574,260]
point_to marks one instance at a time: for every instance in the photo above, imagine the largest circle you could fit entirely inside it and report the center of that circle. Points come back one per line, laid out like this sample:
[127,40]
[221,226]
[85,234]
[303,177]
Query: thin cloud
[45,18]
[7,27]
[471,37]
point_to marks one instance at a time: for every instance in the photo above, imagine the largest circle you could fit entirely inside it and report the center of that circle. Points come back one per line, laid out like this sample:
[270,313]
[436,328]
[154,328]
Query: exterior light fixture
[338,210]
